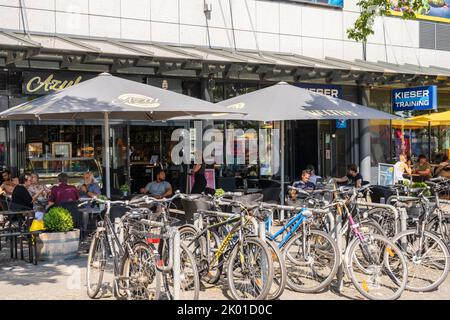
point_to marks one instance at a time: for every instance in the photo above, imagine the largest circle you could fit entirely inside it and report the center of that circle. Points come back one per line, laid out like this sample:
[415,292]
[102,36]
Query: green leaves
[125,188]
[58,219]
[370,9]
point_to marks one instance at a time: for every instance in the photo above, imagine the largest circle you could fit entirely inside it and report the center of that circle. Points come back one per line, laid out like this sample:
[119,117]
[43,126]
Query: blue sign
[326,89]
[417,98]
[341,124]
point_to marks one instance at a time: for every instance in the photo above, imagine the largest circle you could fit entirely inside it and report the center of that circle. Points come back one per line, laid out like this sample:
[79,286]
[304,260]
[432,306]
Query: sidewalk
[20,280]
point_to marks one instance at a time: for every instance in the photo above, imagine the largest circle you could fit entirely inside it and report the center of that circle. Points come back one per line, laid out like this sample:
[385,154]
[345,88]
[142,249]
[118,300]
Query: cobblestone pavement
[65,280]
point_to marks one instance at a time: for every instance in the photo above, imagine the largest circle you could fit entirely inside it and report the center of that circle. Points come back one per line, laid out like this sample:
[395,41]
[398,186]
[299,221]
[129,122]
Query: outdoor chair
[271,194]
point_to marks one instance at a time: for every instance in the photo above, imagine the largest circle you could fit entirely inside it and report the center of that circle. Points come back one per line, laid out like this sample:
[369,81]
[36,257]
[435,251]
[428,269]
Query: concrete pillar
[364,141]
[364,150]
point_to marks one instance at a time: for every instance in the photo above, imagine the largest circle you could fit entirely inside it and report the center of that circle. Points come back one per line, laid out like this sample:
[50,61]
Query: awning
[68,52]
[440,118]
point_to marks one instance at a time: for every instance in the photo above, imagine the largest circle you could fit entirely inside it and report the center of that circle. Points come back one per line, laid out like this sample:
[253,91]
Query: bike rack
[403,216]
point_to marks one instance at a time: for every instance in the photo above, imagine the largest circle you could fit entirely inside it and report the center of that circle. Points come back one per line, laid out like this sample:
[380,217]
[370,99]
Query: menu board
[385,174]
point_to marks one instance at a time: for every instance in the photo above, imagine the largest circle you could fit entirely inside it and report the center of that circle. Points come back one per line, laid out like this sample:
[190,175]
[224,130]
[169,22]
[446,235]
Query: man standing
[158,188]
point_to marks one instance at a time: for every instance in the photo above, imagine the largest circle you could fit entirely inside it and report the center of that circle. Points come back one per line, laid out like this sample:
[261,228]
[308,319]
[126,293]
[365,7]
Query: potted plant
[60,240]
[125,188]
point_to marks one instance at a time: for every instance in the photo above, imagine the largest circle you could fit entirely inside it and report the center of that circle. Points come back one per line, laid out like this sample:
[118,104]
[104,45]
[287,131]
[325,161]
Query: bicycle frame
[294,222]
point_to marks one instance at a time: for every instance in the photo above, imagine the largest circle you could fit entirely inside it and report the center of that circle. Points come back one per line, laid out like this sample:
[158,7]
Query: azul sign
[44,82]
[417,98]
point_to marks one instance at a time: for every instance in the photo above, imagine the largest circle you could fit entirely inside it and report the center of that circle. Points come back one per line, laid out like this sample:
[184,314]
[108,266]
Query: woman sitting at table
[21,199]
[37,190]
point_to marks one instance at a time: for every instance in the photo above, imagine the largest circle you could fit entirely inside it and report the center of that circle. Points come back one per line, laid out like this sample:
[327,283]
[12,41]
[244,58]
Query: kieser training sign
[417,98]
[334,91]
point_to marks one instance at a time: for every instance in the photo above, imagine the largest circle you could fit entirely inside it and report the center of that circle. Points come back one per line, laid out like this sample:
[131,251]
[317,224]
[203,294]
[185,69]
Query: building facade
[214,50]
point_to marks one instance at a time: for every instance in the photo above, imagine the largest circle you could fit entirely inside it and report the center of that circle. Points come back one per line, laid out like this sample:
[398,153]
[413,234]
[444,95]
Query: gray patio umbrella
[283,101]
[108,97]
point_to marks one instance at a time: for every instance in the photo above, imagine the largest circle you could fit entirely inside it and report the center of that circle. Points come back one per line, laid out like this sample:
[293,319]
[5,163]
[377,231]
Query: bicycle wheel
[96,265]
[189,277]
[312,261]
[279,271]
[377,267]
[250,270]
[385,219]
[203,256]
[139,272]
[427,258]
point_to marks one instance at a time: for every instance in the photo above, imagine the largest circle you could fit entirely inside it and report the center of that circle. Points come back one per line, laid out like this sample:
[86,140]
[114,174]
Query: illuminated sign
[334,91]
[417,98]
[38,83]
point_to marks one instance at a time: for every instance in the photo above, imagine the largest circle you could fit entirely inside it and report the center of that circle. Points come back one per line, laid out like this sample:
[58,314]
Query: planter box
[58,245]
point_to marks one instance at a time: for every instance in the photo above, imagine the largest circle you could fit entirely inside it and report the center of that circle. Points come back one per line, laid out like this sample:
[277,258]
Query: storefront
[138,147]
[45,63]
[391,138]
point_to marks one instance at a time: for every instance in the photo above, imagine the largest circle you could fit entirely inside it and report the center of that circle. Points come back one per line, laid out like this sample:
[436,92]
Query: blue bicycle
[311,256]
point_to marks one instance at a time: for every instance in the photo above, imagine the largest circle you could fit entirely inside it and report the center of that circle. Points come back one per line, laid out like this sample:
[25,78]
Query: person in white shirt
[401,167]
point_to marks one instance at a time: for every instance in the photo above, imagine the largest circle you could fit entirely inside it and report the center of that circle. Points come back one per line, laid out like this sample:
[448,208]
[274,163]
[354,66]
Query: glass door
[119,156]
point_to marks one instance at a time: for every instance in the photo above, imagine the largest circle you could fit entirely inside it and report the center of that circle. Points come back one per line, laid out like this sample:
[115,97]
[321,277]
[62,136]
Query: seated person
[304,184]
[423,167]
[90,187]
[443,169]
[353,177]
[36,189]
[65,195]
[313,177]
[159,188]
[7,188]
[21,199]
[62,193]
[6,175]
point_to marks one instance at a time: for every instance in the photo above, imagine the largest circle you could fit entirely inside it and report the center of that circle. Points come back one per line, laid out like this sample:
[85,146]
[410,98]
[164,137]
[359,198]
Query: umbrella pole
[106,154]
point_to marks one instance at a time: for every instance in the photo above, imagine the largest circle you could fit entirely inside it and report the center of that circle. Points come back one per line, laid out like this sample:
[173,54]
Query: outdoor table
[87,213]
[249,190]
[22,230]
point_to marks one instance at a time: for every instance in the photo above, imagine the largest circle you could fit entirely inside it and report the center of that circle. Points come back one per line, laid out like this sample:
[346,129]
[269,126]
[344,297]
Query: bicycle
[248,259]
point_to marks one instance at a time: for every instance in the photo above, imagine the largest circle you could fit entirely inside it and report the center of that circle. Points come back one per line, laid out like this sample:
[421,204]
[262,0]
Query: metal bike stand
[176,264]
[261,231]
[338,237]
[402,216]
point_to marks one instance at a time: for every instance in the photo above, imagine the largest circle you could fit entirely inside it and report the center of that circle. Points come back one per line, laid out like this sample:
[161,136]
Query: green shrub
[125,188]
[219,192]
[58,219]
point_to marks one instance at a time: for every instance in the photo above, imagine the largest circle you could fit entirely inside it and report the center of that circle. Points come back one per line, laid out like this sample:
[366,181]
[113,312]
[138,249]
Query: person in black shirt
[353,177]
[21,199]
